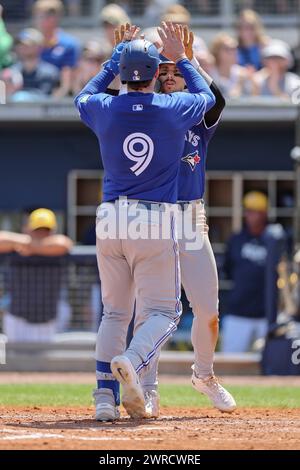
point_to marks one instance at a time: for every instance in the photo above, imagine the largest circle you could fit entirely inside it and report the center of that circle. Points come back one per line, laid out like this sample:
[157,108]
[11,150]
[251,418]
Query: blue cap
[139,61]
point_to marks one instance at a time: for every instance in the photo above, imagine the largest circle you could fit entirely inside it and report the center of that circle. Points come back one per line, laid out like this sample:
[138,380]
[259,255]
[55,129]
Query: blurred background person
[112,16]
[153,11]
[13,81]
[176,13]
[6,43]
[60,49]
[35,283]
[39,78]
[233,80]
[275,79]
[93,55]
[251,40]
[245,264]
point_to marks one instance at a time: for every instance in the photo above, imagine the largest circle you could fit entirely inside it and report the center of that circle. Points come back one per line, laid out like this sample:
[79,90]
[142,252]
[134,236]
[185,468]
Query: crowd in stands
[44,61]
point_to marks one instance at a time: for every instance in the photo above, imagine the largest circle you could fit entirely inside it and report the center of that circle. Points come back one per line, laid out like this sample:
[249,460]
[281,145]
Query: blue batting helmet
[164,60]
[139,61]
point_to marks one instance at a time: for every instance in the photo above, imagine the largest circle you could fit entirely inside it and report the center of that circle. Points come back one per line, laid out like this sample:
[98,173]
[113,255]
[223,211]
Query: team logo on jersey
[192,159]
[136,76]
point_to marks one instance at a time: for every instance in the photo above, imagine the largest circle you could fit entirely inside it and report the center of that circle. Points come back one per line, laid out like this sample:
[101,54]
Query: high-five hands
[125,33]
[172,37]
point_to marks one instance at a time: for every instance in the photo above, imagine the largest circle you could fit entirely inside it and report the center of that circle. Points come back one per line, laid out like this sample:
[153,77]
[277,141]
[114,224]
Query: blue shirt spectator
[60,49]
[63,52]
[250,55]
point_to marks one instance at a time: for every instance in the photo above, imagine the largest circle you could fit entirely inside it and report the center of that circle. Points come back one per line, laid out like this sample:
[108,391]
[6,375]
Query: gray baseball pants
[147,269]
[200,281]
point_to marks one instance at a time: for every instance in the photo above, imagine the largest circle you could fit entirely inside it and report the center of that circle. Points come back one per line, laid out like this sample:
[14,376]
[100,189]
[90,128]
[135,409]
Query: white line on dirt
[68,437]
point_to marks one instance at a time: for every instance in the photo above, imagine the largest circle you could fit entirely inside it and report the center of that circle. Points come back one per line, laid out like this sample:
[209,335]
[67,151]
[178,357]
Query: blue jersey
[64,53]
[141,137]
[191,184]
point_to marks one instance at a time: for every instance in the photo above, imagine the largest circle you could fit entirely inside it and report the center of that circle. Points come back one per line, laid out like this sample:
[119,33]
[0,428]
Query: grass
[171,395]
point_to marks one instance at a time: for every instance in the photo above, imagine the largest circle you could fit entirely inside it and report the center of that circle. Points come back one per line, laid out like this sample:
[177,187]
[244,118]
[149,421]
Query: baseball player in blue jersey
[198,267]
[141,138]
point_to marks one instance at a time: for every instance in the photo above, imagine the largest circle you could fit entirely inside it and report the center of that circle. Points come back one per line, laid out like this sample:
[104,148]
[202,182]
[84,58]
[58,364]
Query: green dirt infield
[172,395]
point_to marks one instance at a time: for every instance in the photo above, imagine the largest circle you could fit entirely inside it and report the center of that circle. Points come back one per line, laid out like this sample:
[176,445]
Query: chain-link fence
[42,296]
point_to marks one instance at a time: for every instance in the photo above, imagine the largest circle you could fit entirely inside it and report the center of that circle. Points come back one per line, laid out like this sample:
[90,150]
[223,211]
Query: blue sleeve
[93,98]
[189,109]
[196,83]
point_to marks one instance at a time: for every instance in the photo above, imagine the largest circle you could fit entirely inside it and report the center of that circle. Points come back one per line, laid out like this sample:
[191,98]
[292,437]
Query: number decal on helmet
[139,148]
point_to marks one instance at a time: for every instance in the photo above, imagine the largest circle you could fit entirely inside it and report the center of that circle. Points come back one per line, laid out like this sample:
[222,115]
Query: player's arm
[196,83]
[213,115]
[10,241]
[90,100]
[54,245]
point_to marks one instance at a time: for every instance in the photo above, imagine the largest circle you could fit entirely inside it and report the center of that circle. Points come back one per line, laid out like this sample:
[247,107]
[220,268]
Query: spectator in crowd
[39,78]
[6,42]
[251,40]
[153,11]
[246,264]
[35,283]
[275,79]
[13,81]
[233,80]
[112,16]
[60,49]
[93,55]
[176,13]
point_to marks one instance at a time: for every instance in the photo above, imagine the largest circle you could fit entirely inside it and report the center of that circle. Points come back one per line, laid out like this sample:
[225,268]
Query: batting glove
[114,63]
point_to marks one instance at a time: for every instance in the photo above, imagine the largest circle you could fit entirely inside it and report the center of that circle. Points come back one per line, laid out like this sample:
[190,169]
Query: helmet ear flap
[157,86]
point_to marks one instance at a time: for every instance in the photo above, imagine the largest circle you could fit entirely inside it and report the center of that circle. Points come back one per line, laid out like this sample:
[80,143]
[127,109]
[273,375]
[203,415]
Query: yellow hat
[42,218]
[256,201]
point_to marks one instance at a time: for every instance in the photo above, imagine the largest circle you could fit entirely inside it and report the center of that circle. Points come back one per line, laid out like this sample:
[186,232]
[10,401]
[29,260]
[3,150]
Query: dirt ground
[74,428]
[181,429]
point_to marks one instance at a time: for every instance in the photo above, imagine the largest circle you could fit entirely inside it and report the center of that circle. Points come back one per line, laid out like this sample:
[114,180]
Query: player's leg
[200,282]
[149,380]
[155,268]
[118,300]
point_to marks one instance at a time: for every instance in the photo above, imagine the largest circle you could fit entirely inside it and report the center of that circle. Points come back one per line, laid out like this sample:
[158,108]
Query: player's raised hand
[172,39]
[188,41]
[125,33]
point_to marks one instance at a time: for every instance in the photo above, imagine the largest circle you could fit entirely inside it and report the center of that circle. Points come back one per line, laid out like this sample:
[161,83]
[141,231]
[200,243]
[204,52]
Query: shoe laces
[213,382]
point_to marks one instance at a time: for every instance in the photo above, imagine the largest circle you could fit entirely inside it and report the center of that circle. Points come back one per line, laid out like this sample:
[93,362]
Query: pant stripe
[177,306]
[152,353]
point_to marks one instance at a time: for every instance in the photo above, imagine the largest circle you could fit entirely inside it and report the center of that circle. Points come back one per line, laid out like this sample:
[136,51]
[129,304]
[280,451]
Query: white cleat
[218,395]
[106,409]
[132,397]
[152,403]
[106,412]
